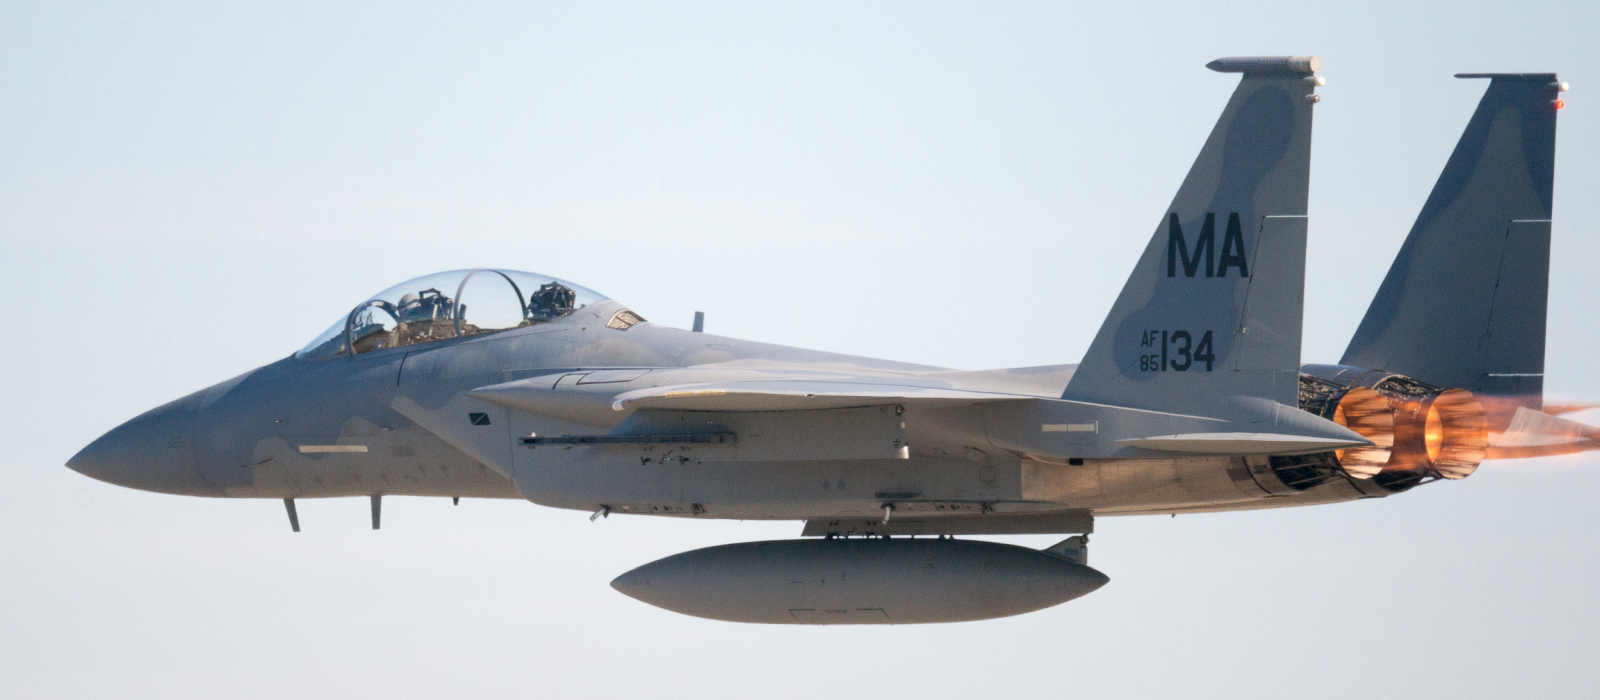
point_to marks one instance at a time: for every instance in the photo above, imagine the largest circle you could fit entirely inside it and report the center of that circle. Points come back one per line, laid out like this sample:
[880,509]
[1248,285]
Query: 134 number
[1178,351]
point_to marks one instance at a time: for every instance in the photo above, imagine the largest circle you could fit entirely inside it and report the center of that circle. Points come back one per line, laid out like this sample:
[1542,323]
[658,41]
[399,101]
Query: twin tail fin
[1212,313]
[1464,304]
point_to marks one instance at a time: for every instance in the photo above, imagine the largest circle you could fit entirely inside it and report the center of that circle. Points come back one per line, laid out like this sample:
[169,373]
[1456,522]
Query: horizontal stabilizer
[1242,443]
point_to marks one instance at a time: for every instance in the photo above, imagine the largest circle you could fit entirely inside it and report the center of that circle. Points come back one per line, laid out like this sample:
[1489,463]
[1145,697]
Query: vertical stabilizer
[1463,305]
[1212,312]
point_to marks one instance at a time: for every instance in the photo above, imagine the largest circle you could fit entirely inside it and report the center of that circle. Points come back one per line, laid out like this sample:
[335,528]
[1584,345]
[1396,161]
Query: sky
[188,191]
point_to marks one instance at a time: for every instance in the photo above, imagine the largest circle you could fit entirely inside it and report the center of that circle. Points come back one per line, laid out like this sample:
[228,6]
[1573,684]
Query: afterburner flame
[1463,430]
[1540,433]
[1442,434]
[1369,415]
[1433,434]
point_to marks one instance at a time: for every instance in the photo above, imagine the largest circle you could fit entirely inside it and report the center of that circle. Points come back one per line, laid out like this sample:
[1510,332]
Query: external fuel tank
[860,581]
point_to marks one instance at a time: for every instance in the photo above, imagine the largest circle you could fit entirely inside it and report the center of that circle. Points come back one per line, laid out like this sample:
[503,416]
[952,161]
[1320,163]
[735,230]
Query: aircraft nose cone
[153,452]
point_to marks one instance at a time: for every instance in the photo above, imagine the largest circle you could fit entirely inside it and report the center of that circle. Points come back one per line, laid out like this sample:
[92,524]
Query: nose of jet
[153,452]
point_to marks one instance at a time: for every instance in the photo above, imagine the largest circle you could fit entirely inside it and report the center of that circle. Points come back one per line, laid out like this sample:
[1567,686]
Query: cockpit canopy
[446,305]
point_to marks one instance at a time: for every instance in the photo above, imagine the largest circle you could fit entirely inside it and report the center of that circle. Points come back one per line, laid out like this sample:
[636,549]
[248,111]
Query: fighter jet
[1191,398]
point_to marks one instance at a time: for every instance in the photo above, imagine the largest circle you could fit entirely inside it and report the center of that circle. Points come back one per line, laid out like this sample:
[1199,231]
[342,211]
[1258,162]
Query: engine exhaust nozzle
[1368,414]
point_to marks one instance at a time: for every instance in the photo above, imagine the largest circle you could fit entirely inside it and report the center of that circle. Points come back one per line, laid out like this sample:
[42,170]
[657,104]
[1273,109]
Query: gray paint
[907,521]
[826,438]
[859,581]
[1253,174]
[1464,303]
[817,436]
[859,446]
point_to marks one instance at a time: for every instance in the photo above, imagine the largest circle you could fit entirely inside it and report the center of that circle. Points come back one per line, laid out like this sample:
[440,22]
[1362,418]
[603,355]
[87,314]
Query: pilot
[424,317]
[429,305]
[550,302]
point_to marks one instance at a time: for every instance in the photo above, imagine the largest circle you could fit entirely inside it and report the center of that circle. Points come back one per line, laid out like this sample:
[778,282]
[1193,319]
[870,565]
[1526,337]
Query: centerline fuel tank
[859,581]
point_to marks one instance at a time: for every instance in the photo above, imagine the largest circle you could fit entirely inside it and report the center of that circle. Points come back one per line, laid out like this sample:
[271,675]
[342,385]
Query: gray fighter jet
[1191,398]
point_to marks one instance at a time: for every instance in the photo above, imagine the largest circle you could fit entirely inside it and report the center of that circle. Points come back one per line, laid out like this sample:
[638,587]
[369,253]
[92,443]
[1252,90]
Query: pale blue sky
[190,191]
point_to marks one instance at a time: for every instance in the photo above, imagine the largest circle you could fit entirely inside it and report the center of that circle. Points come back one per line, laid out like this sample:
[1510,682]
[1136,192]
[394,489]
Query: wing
[796,395]
[606,397]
